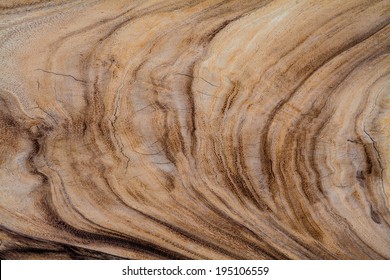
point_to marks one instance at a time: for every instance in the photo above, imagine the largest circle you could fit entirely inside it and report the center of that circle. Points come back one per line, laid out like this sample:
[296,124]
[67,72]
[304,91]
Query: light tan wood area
[195,129]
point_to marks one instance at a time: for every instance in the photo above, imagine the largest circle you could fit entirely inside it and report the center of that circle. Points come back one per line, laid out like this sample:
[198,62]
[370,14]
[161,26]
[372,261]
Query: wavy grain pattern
[167,129]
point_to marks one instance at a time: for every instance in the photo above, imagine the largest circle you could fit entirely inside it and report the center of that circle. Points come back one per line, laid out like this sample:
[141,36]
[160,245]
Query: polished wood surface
[167,129]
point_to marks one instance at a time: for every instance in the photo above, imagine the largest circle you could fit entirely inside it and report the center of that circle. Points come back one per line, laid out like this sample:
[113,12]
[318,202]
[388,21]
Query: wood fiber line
[195,129]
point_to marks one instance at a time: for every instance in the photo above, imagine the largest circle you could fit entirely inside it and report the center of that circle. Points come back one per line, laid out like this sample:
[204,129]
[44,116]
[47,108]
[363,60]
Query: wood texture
[195,129]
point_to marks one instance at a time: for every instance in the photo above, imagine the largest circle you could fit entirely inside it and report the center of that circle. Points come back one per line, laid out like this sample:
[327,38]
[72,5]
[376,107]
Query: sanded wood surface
[167,129]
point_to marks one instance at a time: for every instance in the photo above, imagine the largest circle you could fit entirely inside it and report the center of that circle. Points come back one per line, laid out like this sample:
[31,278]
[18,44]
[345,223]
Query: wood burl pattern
[167,129]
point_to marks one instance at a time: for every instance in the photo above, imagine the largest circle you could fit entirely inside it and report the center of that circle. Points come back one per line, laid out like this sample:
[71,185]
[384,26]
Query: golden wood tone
[193,129]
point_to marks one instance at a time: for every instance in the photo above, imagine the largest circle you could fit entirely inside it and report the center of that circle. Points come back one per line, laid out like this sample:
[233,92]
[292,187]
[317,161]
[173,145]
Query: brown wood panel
[166,129]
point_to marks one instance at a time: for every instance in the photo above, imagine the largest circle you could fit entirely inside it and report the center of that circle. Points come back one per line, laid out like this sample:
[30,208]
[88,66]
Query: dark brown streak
[266,160]
[35,246]
[59,74]
[171,227]
[128,242]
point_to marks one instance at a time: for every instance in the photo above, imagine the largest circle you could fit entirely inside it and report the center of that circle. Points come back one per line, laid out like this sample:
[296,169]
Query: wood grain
[190,129]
